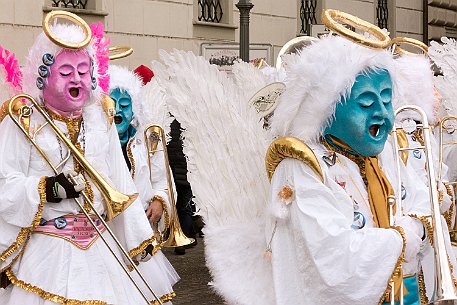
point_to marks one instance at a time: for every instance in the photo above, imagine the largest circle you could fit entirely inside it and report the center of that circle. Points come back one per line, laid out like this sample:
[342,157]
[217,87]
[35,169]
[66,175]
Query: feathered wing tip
[445,57]
[10,75]
[225,146]
[317,79]
[155,109]
[414,86]
[448,91]
[101,45]
[248,78]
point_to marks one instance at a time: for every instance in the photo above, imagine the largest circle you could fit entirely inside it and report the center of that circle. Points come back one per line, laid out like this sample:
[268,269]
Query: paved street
[193,288]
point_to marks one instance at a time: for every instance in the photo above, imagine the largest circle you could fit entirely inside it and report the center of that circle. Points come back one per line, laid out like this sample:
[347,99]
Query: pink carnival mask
[69,83]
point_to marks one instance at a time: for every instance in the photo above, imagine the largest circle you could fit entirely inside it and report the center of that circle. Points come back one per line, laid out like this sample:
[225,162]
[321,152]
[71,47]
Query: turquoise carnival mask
[364,119]
[124,114]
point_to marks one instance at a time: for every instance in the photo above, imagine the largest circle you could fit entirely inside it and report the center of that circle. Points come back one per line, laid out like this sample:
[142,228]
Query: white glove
[414,231]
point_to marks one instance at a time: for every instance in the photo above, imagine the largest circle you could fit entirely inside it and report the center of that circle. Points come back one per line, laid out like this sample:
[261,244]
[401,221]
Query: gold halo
[331,19]
[120,52]
[70,17]
[409,41]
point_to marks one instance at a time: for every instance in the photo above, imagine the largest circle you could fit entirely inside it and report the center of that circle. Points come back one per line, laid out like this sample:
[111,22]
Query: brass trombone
[445,291]
[442,126]
[152,135]
[115,201]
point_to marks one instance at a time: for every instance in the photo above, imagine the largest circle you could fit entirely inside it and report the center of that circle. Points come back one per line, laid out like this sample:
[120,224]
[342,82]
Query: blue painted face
[124,112]
[363,121]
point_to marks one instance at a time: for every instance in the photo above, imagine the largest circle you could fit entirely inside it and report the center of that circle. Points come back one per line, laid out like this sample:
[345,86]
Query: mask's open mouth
[74,92]
[374,130]
[117,119]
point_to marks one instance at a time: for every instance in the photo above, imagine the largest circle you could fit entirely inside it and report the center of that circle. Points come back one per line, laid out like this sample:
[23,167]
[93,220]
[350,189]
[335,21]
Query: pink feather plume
[101,44]
[13,73]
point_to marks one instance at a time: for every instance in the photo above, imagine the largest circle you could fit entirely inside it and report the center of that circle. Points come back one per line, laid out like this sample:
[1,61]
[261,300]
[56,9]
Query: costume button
[60,223]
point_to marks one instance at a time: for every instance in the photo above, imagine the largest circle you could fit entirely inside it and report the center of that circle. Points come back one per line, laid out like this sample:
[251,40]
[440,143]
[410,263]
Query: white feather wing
[445,57]
[225,145]
[155,109]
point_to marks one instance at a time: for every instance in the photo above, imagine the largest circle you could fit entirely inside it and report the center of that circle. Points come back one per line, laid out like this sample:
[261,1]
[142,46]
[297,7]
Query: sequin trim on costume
[398,266]
[47,295]
[130,156]
[165,210]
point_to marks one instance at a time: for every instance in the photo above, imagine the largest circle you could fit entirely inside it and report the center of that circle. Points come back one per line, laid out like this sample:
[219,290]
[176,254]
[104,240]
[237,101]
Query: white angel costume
[444,56]
[317,255]
[72,266]
[151,183]
[415,87]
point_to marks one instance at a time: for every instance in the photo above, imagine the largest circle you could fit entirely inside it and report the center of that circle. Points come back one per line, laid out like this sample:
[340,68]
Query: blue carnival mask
[124,114]
[364,119]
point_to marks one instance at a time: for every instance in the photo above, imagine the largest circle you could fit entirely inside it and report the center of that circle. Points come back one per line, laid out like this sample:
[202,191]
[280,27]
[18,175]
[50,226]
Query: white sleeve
[152,183]
[317,257]
[20,206]
[132,227]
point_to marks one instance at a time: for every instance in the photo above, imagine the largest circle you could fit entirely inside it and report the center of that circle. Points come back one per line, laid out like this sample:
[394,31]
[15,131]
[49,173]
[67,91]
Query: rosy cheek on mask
[69,83]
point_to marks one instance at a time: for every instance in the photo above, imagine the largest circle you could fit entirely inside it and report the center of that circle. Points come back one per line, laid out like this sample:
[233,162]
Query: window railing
[382,14]
[307,16]
[80,4]
[210,11]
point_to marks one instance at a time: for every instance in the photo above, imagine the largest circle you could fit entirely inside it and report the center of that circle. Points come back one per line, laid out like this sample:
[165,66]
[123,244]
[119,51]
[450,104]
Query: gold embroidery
[135,251]
[165,210]
[428,226]
[165,298]
[24,233]
[130,156]
[398,266]
[449,215]
[47,295]
[422,290]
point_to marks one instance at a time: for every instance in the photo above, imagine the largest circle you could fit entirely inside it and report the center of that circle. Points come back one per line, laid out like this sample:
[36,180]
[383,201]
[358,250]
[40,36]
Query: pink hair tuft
[13,73]
[101,44]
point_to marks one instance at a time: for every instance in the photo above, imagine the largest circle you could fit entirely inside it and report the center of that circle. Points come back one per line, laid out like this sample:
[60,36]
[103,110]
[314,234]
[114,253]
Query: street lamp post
[244,7]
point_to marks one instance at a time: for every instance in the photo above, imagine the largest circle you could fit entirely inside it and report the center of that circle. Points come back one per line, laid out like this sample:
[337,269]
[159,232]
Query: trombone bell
[152,134]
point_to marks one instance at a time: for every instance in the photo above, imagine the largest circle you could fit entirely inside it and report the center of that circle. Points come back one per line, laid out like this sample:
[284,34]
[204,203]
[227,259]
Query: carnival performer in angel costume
[415,86]
[149,176]
[444,55]
[327,229]
[49,252]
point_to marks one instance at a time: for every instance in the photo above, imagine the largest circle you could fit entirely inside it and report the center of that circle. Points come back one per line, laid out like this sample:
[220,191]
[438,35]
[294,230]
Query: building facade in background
[150,25]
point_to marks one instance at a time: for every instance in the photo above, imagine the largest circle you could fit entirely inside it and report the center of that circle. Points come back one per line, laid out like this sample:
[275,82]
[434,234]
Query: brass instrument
[445,291]
[152,135]
[115,201]
[442,126]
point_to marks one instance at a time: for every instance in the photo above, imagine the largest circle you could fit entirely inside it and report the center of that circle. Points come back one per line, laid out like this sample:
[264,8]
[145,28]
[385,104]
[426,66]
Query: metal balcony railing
[81,4]
[210,10]
[307,16]
[382,14]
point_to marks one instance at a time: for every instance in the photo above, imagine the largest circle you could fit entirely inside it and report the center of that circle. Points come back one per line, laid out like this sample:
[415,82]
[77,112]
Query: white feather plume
[155,109]
[445,57]
[225,146]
